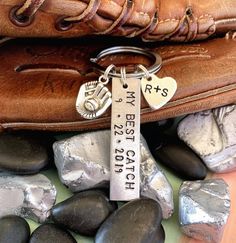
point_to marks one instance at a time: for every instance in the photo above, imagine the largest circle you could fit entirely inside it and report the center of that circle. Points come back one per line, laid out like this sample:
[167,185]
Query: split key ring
[139,72]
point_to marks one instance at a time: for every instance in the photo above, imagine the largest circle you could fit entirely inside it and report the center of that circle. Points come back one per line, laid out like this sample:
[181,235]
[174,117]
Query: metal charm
[158,91]
[93,100]
[125,139]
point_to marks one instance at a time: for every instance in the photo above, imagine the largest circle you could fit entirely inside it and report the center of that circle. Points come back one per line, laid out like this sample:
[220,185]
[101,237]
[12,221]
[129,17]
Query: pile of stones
[202,142]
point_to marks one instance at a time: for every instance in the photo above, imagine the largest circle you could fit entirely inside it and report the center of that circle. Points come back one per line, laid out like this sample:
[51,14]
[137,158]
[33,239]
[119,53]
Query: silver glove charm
[93,100]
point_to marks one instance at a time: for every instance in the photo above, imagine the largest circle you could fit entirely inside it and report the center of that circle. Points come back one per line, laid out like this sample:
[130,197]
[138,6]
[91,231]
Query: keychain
[94,98]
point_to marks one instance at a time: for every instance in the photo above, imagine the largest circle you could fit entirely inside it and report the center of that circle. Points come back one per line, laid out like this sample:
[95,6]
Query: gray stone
[14,229]
[22,154]
[84,212]
[137,221]
[204,207]
[51,233]
[27,196]
[177,156]
[212,135]
[83,162]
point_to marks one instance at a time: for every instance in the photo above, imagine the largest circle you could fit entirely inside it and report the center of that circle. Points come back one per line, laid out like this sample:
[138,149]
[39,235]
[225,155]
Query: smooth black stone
[84,212]
[51,233]
[14,229]
[46,139]
[21,154]
[157,126]
[181,159]
[153,132]
[138,221]
[160,235]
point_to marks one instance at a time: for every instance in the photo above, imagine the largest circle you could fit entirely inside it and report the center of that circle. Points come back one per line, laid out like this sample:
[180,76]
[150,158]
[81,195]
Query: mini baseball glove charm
[93,100]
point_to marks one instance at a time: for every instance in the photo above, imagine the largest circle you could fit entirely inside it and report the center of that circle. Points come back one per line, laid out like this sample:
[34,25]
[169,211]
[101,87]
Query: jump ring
[105,76]
[123,76]
[144,69]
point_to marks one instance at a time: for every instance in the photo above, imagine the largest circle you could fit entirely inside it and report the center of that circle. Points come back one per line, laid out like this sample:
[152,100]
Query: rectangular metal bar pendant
[125,140]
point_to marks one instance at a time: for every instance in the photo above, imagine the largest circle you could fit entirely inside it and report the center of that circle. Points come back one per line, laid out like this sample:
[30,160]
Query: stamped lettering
[158,91]
[125,140]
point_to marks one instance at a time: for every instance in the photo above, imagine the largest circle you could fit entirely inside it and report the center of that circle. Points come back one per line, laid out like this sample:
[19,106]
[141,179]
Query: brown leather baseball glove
[178,20]
[40,80]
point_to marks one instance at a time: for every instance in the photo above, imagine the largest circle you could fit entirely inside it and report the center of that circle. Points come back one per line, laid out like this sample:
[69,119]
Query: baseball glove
[40,80]
[177,20]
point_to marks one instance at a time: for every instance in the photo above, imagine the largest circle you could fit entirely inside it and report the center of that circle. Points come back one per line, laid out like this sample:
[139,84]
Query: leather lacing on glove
[23,15]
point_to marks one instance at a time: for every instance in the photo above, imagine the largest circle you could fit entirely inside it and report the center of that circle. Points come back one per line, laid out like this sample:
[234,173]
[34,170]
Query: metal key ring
[155,67]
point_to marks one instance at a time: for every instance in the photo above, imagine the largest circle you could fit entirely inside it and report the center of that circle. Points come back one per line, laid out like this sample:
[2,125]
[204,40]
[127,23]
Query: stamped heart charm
[158,91]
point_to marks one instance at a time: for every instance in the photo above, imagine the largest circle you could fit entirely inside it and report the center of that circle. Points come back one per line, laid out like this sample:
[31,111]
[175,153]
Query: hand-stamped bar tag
[125,140]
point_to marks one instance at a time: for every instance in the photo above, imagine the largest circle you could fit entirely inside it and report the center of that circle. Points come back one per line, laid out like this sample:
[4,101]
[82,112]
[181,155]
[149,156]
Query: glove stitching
[30,7]
[87,14]
[191,35]
[188,26]
[148,28]
[125,14]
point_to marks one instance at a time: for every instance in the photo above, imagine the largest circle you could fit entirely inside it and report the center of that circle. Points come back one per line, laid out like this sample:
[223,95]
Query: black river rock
[84,212]
[137,221]
[50,233]
[14,229]
[181,159]
[153,132]
[160,235]
[21,154]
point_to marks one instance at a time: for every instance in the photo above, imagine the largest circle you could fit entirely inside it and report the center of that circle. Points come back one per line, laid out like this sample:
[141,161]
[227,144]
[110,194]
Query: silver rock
[204,207]
[212,135]
[83,162]
[27,196]
[154,183]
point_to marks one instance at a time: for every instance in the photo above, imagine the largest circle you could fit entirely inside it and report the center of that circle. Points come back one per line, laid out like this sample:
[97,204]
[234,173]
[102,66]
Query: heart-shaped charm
[158,91]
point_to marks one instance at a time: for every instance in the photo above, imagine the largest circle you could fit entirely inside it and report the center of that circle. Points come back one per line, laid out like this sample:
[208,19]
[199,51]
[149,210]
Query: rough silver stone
[154,183]
[204,207]
[212,135]
[83,162]
[27,196]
